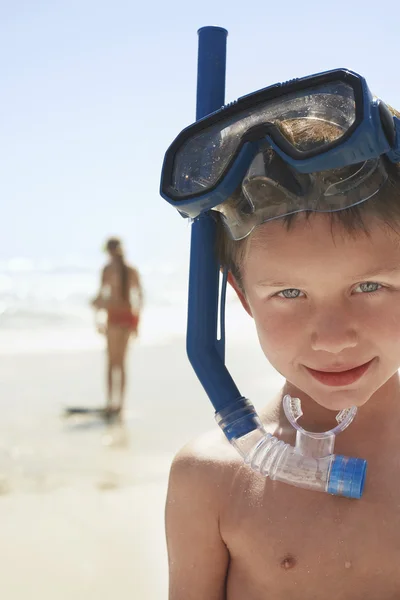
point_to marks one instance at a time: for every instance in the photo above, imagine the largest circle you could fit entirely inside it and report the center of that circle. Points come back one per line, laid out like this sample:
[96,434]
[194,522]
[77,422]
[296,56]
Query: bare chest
[288,543]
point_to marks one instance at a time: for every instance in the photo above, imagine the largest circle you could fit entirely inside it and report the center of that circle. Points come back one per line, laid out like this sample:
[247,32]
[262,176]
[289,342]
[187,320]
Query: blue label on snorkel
[347,477]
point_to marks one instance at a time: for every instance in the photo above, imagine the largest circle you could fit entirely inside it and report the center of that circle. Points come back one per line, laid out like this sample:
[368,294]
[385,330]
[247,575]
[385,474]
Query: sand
[82,503]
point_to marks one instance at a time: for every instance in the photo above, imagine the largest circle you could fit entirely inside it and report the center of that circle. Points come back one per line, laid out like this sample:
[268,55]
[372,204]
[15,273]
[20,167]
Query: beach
[82,502]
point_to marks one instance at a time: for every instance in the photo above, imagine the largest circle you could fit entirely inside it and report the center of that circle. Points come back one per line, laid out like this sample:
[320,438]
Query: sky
[93,93]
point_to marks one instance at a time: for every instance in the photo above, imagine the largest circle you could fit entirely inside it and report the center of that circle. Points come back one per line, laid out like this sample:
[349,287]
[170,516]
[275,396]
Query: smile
[340,378]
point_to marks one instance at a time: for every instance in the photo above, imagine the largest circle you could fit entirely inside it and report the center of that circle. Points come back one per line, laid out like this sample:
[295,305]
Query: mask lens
[272,189]
[202,160]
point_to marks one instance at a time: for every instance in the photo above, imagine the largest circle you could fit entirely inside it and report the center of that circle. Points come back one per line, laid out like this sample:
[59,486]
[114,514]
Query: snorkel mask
[246,162]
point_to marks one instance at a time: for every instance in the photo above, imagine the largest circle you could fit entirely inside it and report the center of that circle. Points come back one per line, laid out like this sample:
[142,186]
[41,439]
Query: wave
[55,297]
[42,294]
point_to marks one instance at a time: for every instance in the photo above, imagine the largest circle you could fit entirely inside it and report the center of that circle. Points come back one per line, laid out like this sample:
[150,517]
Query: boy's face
[326,301]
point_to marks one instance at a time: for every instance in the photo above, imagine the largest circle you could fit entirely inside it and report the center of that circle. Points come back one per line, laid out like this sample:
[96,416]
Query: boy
[323,289]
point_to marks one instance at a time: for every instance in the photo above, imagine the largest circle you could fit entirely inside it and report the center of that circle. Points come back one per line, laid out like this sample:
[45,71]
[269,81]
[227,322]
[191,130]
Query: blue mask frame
[374,133]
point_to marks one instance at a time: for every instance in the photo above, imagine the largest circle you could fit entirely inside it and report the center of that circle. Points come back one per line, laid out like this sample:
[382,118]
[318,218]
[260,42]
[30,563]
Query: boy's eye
[367,287]
[289,293]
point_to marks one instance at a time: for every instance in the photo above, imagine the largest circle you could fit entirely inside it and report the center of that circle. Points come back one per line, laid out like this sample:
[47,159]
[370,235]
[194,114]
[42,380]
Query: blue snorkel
[311,463]
[205,351]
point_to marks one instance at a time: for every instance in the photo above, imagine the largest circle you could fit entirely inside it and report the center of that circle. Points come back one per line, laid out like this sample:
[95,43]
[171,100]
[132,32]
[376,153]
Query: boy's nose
[333,334]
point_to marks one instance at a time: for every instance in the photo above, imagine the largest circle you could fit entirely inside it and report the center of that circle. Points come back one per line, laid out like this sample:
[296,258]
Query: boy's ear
[232,281]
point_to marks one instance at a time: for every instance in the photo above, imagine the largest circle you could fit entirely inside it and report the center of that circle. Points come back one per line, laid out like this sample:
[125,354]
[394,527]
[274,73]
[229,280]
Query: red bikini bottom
[123,318]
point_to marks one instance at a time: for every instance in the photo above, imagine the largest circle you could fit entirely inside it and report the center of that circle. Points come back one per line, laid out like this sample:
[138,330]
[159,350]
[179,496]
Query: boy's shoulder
[210,454]
[205,461]
[207,450]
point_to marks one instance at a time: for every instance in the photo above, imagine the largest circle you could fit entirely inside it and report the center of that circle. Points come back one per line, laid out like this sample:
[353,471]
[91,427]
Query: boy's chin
[341,399]
[331,398]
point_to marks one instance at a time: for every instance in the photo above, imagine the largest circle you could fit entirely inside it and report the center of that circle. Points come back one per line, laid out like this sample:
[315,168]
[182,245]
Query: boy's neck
[380,414]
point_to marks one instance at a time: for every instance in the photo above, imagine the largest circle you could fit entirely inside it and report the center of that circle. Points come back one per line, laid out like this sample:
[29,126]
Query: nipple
[288,562]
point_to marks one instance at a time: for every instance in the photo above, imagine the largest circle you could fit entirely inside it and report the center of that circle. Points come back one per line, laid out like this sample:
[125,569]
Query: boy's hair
[384,205]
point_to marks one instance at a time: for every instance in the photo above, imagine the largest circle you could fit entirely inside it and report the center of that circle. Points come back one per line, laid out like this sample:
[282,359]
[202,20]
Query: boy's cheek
[389,325]
[277,337]
[382,329]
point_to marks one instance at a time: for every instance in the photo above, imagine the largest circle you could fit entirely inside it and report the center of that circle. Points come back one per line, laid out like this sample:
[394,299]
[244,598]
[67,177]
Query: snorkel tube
[311,463]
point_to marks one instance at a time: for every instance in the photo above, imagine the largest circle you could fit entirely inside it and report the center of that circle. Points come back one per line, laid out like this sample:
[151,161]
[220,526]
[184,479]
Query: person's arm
[198,558]
[136,286]
[98,302]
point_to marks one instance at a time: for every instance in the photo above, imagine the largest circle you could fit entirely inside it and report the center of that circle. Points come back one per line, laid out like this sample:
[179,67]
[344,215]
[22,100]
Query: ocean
[45,305]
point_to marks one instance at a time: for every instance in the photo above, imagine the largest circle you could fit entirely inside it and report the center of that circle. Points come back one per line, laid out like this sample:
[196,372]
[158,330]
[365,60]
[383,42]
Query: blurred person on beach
[120,297]
[314,257]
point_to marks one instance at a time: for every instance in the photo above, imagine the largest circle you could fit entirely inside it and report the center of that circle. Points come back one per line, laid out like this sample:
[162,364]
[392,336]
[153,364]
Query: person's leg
[109,384]
[122,348]
[122,387]
[112,363]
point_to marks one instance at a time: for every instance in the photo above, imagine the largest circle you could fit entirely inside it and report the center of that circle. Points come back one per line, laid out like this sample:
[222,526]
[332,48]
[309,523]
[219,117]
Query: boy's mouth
[341,377]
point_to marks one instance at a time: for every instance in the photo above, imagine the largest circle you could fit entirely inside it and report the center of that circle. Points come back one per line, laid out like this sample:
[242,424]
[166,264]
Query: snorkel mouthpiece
[310,464]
